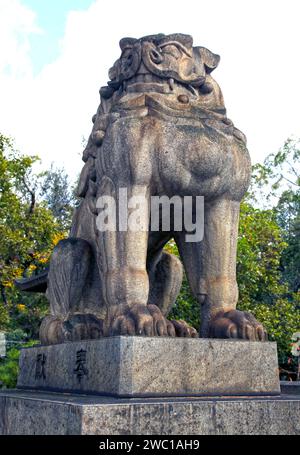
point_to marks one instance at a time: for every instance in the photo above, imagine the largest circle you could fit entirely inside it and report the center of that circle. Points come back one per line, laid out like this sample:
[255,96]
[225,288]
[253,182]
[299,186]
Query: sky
[55,55]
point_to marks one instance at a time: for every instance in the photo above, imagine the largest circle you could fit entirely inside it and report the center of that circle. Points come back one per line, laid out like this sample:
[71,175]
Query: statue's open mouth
[147,82]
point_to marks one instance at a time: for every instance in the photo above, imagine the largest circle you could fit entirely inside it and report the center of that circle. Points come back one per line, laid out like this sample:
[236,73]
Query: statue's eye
[155,56]
[172,50]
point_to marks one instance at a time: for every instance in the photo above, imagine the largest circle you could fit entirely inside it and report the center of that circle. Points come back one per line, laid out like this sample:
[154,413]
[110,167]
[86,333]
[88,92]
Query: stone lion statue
[160,130]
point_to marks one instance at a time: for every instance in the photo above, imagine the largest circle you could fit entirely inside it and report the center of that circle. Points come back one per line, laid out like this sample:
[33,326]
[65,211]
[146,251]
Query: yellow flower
[21,307]
[57,237]
[43,259]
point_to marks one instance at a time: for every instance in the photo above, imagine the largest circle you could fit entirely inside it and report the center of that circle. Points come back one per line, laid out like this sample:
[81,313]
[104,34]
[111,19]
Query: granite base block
[142,366]
[34,413]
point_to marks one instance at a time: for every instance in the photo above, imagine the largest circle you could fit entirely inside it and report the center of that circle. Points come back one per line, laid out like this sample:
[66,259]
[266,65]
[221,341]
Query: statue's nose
[142,69]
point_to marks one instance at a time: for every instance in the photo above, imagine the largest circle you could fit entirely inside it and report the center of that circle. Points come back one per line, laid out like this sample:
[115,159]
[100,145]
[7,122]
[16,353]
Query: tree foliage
[58,193]
[276,182]
[28,229]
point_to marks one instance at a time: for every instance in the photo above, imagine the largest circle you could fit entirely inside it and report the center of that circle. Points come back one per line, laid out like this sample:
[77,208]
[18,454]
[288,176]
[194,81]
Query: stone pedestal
[143,366]
[149,386]
[24,412]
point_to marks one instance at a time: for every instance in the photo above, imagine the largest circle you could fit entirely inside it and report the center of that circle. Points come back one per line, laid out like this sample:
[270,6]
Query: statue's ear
[127,42]
[208,58]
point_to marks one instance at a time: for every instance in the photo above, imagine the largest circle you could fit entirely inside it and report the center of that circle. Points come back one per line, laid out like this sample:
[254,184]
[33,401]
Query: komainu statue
[160,130]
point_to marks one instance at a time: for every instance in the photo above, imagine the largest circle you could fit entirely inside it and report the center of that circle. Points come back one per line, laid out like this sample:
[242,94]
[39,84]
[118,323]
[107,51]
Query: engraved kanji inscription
[80,369]
[40,366]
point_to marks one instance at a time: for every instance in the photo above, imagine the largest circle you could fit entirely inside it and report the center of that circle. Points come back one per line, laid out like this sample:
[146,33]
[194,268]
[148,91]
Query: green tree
[262,288]
[58,194]
[278,173]
[260,246]
[28,229]
[288,216]
[277,182]
[9,366]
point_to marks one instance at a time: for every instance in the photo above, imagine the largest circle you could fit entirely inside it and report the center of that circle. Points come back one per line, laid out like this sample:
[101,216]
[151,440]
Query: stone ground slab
[24,413]
[144,366]
[290,387]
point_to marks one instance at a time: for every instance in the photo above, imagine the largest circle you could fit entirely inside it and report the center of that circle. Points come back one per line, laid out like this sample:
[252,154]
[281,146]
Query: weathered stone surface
[143,366]
[161,129]
[49,413]
[290,387]
[2,344]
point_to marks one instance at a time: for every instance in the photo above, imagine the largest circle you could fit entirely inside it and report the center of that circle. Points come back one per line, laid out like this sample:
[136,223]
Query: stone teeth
[171,83]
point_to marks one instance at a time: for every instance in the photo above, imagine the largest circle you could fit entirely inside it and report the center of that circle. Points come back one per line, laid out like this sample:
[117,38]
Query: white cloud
[259,71]
[17,23]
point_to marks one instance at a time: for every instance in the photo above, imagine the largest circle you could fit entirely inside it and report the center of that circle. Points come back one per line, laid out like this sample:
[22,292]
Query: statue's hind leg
[164,271]
[70,267]
[211,270]
[165,282]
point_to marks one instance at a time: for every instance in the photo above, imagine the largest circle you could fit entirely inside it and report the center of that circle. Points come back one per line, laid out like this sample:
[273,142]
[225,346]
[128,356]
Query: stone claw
[183,329]
[236,324]
[144,320]
[135,319]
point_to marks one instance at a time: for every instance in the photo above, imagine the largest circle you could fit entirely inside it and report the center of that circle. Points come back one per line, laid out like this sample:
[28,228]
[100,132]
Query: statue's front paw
[143,320]
[236,324]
